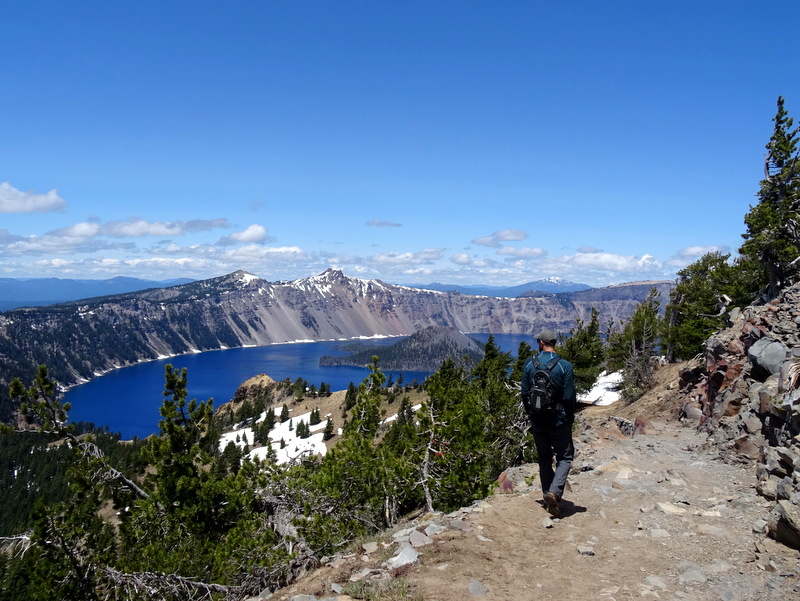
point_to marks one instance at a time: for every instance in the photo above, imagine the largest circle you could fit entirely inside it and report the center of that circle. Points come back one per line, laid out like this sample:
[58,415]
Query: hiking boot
[552,504]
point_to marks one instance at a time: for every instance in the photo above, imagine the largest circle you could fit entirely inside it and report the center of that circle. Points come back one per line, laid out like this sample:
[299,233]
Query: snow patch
[605,391]
[247,278]
[294,448]
[391,418]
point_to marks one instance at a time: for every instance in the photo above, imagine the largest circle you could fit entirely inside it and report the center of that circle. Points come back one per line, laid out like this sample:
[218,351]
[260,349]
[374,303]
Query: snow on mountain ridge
[240,310]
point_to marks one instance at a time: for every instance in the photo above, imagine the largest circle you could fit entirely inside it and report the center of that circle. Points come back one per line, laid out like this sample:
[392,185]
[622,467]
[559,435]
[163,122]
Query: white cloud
[695,252]
[465,260]
[381,223]
[17,201]
[79,230]
[510,235]
[486,241]
[253,233]
[408,258]
[524,252]
[690,254]
[108,267]
[494,240]
[136,228]
[612,262]
[168,265]
[80,237]
[231,255]
[139,228]
[258,251]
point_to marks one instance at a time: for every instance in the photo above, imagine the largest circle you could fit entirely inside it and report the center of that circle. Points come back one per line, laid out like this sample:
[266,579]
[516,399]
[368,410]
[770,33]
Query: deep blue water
[127,400]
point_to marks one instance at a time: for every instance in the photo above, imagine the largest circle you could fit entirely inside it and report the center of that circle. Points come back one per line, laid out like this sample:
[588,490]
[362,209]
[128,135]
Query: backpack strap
[552,363]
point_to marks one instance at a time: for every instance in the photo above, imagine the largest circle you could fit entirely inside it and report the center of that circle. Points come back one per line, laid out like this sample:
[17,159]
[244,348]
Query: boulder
[784,524]
[693,412]
[746,447]
[767,357]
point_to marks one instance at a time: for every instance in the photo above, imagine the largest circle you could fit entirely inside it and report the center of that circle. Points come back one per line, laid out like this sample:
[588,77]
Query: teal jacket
[564,379]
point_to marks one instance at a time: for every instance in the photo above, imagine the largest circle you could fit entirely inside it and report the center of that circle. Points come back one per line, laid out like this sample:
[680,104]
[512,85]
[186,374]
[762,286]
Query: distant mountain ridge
[552,285]
[79,340]
[35,292]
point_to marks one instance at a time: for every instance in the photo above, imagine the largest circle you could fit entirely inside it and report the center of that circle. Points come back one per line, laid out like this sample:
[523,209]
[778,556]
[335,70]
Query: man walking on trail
[551,428]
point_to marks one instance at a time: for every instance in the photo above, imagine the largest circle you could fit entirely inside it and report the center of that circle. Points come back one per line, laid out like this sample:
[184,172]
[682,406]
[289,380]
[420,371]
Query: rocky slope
[747,397]
[81,339]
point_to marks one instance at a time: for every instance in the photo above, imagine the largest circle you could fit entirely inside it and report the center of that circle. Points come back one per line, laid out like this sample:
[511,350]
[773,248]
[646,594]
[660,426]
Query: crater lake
[127,400]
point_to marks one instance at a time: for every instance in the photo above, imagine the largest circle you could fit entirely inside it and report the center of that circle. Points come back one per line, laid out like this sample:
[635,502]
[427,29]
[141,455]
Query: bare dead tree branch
[107,473]
[157,585]
[18,545]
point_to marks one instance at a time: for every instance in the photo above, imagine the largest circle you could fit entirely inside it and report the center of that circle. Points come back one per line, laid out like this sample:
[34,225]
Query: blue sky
[451,141]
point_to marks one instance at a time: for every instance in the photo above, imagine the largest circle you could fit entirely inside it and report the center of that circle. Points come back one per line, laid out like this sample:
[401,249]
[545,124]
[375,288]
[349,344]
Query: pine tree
[704,291]
[350,396]
[41,403]
[772,240]
[269,419]
[634,347]
[365,415]
[328,433]
[454,463]
[584,349]
[299,389]
[524,352]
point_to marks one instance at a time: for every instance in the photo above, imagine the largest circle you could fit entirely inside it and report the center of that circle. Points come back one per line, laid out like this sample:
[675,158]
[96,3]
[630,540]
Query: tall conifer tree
[772,236]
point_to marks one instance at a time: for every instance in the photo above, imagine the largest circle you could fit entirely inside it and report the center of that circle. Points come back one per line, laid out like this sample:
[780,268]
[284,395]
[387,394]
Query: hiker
[550,403]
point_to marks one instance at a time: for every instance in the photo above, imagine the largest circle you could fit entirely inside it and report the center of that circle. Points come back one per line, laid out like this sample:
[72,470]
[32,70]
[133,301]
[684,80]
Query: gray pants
[549,444]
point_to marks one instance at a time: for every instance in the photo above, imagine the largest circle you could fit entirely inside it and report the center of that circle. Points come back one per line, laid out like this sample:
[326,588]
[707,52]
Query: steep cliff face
[81,339]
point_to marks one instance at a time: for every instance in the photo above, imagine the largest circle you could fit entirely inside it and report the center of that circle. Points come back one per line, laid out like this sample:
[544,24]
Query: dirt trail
[654,516]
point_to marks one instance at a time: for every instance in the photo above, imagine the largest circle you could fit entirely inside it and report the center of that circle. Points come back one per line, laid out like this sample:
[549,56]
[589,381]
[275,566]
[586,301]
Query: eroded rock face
[81,339]
[748,400]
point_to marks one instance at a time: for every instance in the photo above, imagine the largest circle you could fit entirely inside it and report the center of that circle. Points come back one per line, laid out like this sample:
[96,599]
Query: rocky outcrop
[748,399]
[255,389]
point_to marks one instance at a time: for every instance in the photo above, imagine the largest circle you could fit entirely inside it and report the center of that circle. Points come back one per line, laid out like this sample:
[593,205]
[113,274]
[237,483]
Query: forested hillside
[424,350]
